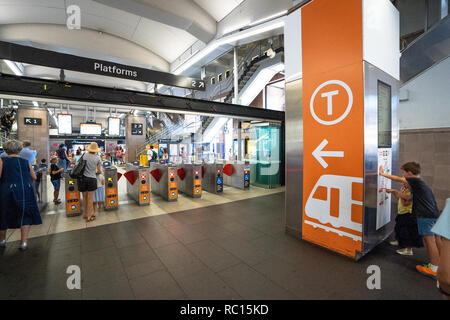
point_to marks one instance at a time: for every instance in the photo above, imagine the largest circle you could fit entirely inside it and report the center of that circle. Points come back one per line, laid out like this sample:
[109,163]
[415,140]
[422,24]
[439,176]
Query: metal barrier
[138,183]
[111,189]
[73,198]
[190,180]
[163,181]
[237,174]
[212,177]
[41,186]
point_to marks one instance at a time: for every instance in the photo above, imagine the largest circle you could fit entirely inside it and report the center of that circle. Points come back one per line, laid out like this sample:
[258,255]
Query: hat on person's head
[52,158]
[93,147]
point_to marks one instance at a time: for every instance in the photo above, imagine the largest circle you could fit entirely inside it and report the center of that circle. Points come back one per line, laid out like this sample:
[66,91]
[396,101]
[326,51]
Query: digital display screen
[173,151]
[113,126]
[64,124]
[384,116]
[90,129]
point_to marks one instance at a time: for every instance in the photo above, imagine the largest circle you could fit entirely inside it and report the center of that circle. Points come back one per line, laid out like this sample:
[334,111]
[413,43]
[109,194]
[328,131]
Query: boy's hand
[391,191]
[381,170]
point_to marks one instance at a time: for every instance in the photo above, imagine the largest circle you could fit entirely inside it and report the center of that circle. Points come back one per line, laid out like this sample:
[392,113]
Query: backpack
[78,171]
[154,156]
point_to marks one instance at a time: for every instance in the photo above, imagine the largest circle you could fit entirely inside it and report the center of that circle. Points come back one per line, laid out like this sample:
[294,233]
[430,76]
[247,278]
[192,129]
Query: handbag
[78,170]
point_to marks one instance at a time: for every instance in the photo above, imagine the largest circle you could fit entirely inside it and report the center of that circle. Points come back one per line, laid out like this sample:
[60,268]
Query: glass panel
[384,116]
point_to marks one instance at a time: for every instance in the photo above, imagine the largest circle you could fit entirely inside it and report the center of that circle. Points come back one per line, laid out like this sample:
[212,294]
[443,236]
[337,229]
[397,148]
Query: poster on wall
[113,126]
[64,124]
[384,198]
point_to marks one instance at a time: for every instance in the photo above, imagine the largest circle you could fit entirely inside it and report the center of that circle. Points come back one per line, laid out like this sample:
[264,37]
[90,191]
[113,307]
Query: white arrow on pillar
[319,154]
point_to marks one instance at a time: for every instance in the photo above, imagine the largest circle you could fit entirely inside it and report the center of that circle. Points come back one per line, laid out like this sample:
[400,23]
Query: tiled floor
[55,220]
[236,250]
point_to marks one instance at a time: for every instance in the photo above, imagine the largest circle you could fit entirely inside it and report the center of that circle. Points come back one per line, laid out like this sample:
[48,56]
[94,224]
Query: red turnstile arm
[131,176]
[181,173]
[203,171]
[156,174]
[228,169]
[119,175]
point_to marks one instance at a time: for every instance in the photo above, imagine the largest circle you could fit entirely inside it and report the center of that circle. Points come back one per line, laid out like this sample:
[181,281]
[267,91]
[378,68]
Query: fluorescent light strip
[229,39]
[276,15]
[14,68]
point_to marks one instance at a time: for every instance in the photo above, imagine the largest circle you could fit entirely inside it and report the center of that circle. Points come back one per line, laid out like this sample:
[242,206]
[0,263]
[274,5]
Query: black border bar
[52,59]
[50,89]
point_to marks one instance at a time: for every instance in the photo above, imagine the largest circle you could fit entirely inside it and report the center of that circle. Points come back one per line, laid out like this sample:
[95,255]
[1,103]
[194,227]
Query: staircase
[174,131]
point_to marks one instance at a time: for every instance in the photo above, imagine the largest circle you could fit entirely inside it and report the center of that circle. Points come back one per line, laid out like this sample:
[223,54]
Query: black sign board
[32,121]
[137,129]
[52,59]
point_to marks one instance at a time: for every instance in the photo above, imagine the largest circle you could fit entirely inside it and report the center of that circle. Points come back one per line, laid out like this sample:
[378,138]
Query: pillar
[37,134]
[134,140]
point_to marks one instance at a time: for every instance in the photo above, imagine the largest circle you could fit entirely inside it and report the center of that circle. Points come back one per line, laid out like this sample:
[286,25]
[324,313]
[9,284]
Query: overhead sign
[90,129]
[333,125]
[32,121]
[52,59]
[113,126]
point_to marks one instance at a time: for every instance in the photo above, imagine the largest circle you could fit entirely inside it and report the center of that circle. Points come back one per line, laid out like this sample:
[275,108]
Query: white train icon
[321,209]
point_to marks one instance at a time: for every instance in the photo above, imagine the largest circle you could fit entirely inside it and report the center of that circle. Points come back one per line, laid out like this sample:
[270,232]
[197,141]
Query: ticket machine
[212,177]
[237,174]
[73,197]
[164,181]
[138,183]
[111,190]
[189,177]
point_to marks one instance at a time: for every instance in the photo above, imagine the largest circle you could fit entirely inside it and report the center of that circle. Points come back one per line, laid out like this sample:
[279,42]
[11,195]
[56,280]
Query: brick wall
[430,148]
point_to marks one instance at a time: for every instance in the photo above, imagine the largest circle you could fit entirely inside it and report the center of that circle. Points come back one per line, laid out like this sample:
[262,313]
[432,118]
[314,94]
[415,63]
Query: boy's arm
[399,195]
[389,176]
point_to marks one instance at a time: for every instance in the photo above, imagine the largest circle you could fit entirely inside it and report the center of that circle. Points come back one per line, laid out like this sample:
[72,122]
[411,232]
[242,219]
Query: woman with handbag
[87,183]
[18,206]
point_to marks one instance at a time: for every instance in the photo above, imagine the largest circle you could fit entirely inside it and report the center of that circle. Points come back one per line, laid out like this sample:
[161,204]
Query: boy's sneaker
[394,243]
[405,251]
[427,270]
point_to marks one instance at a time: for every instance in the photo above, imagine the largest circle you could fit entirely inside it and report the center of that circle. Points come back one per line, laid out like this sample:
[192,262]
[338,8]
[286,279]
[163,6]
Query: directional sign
[333,125]
[33,121]
[319,154]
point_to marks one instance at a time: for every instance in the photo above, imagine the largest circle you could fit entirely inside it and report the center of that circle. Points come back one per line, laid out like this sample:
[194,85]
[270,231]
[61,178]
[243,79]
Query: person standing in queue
[62,158]
[88,183]
[26,152]
[55,178]
[18,206]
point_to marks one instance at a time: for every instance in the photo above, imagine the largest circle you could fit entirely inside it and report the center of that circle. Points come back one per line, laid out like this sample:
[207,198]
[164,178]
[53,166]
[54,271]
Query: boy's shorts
[56,184]
[425,225]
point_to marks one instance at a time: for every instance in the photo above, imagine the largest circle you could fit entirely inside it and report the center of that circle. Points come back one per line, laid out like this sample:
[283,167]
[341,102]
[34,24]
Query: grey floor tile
[213,256]
[207,286]
[130,239]
[136,254]
[144,268]
[158,285]
[251,284]
[187,236]
[159,238]
[244,251]
[112,289]
[98,259]
[179,260]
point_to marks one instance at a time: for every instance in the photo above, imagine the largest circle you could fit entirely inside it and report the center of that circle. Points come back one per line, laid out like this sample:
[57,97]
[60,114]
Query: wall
[431,148]
[37,135]
[427,104]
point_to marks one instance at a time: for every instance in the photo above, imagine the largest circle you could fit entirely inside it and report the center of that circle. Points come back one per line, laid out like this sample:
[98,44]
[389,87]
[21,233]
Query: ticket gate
[73,197]
[111,190]
[190,180]
[164,181]
[138,183]
[237,174]
[41,186]
[212,177]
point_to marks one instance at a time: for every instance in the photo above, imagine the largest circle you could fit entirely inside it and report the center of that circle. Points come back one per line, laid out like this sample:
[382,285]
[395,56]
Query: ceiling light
[35,104]
[14,68]
[271,53]
[276,15]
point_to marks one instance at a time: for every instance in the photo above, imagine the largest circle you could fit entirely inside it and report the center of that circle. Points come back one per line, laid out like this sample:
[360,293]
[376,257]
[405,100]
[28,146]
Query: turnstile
[41,184]
[237,174]
[189,177]
[163,181]
[73,198]
[212,177]
[111,190]
[138,183]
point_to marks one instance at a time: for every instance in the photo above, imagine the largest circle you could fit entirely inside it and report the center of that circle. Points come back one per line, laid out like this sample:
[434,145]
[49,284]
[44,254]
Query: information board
[113,126]
[64,123]
[90,129]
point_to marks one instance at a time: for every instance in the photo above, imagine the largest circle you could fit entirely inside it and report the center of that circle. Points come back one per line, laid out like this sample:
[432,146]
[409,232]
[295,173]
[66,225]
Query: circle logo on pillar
[332,111]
